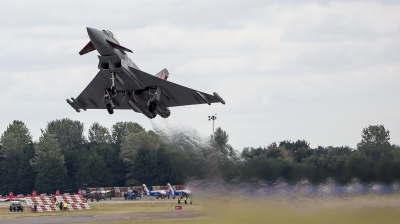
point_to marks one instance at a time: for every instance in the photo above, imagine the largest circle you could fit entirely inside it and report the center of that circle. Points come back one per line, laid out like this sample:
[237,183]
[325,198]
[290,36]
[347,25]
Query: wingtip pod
[78,104]
[73,105]
[219,98]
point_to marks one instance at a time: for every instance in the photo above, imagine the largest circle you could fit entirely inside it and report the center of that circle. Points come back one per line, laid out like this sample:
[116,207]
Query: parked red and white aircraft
[11,196]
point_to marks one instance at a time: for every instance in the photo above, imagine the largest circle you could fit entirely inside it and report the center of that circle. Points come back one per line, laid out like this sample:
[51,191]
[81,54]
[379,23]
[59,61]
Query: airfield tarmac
[133,216]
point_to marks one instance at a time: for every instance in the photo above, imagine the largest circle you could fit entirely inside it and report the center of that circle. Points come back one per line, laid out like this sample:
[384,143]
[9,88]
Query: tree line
[64,158]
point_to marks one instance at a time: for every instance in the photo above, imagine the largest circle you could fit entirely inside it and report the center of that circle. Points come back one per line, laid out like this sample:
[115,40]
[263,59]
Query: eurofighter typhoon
[120,84]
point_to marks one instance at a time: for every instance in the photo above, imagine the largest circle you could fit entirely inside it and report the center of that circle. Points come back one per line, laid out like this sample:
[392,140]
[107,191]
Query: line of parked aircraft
[11,196]
[165,193]
[171,192]
[21,197]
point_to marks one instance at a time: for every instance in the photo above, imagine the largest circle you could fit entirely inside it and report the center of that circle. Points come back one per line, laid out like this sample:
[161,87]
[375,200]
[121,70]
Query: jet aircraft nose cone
[90,30]
[94,35]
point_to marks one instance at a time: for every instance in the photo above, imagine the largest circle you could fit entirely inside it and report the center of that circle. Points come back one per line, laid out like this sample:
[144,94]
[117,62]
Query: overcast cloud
[287,69]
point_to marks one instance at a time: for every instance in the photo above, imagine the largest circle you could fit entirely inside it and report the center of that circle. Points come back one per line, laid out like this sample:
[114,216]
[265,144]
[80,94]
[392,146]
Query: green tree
[250,152]
[122,129]
[277,152]
[164,167]
[70,138]
[274,153]
[9,171]
[375,142]
[375,158]
[361,167]
[113,162]
[221,137]
[26,175]
[99,134]
[133,142]
[387,168]
[292,147]
[69,134]
[52,175]
[188,156]
[330,162]
[262,167]
[151,167]
[15,137]
[118,132]
[49,164]
[93,171]
[302,154]
[13,141]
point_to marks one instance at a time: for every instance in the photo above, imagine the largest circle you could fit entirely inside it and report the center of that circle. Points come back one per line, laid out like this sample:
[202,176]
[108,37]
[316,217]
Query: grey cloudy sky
[319,71]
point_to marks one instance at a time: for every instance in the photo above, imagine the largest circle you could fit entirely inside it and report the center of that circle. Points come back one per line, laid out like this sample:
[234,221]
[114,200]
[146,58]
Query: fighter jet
[157,194]
[98,194]
[120,84]
[174,192]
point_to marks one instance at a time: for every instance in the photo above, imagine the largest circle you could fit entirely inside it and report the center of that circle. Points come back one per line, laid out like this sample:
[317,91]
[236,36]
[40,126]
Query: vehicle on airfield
[16,206]
[157,194]
[175,192]
[132,196]
[120,84]
[132,193]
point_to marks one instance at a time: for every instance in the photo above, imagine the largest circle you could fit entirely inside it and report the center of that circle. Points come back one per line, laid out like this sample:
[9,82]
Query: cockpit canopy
[110,34]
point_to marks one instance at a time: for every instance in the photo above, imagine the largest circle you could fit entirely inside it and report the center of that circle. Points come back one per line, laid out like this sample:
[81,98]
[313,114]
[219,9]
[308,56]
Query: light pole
[213,118]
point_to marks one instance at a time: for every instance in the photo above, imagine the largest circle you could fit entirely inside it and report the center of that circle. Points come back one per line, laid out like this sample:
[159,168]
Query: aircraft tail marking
[171,189]
[145,189]
[163,74]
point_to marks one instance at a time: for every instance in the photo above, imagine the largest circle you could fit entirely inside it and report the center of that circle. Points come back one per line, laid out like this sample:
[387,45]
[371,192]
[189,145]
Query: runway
[102,218]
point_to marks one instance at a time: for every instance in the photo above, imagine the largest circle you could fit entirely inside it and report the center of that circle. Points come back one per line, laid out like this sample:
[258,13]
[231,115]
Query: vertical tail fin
[33,193]
[163,74]
[145,189]
[171,189]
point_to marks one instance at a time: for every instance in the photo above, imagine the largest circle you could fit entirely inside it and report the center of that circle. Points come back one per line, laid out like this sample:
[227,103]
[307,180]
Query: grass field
[291,209]
[306,210]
